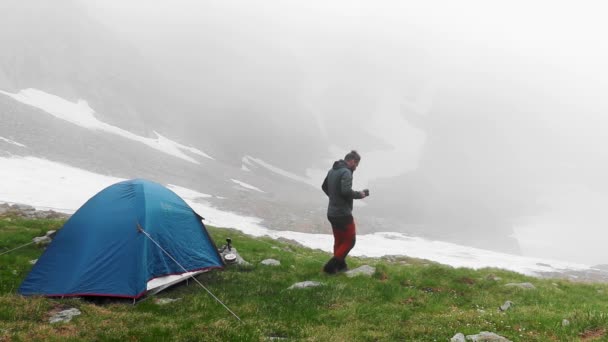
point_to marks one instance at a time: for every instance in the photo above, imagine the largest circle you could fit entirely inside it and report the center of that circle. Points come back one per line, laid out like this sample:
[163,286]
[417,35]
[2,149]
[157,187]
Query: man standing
[338,186]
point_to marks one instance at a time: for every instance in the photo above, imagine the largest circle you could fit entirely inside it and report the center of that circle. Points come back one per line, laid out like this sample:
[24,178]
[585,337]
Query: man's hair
[352,155]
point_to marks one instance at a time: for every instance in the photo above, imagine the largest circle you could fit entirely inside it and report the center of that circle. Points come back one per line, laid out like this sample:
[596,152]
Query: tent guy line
[141,230]
[16,248]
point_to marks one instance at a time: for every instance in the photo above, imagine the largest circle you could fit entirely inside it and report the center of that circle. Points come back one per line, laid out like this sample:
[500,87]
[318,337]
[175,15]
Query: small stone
[493,277]
[51,234]
[33,262]
[565,322]
[304,284]
[271,262]
[38,215]
[42,240]
[23,207]
[485,336]
[458,338]
[525,286]
[365,270]
[290,242]
[64,316]
[506,306]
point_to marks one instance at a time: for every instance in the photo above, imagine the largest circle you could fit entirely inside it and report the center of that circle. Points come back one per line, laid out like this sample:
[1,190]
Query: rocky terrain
[27,211]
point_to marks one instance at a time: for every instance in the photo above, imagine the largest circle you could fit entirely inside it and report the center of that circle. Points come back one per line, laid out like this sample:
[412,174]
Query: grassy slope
[405,300]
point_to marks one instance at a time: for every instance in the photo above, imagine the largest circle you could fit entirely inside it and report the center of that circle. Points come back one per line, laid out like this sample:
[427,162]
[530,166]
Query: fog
[461,110]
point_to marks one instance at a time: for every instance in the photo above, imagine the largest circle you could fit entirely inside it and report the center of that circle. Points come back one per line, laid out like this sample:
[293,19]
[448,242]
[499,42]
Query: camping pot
[230,258]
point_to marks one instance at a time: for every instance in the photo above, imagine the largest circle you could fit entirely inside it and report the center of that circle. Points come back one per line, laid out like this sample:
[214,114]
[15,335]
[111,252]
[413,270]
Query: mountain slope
[404,299]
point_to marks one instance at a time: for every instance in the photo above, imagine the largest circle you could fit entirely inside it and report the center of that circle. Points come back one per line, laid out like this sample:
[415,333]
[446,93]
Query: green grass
[405,300]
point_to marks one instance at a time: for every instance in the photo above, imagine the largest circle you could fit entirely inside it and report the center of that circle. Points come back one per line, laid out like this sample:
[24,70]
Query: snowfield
[50,185]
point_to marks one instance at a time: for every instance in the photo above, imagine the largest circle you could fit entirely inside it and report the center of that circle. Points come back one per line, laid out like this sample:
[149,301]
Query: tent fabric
[100,251]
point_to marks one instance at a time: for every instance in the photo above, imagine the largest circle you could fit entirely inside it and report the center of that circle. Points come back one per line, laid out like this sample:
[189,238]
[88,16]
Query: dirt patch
[433,289]
[335,306]
[593,334]
[409,301]
[48,332]
[467,280]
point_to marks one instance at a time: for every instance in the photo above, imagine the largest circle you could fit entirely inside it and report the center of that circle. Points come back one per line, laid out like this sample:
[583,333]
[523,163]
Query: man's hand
[363,194]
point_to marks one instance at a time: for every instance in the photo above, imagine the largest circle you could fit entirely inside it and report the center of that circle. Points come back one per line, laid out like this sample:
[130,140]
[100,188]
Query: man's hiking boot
[335,265]
[332,266]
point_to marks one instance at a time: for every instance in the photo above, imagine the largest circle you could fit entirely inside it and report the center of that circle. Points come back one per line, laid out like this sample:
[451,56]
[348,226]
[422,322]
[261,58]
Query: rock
[42,240]
[38,215]
[485,336]
[64,316]
[271,262]
[304,284]
[525,286]
[601,267]
[565,323]
[290,242]
[506,306]
[365,270]
[51,234]
[28,211]
[493,277]
[22,207]
[51,214]
[458,338]
[239,260]
[163,301]
[33,262]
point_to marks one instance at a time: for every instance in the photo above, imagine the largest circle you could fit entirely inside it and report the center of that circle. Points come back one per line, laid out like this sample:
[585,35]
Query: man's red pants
[344,231]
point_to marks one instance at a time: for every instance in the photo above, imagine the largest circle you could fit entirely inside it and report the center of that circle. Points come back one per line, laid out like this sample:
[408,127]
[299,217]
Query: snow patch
[11,142]
[46,184]
[245,185]
[186,193]
[81,114]
[251,161]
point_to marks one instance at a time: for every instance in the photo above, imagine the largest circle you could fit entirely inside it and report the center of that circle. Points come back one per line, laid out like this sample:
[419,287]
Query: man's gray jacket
[338,186]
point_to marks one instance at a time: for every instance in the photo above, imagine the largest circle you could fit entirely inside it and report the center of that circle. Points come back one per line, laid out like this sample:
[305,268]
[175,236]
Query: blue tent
[102,251]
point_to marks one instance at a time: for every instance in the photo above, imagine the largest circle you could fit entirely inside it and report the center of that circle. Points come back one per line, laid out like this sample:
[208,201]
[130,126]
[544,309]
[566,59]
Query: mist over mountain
[472,129]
